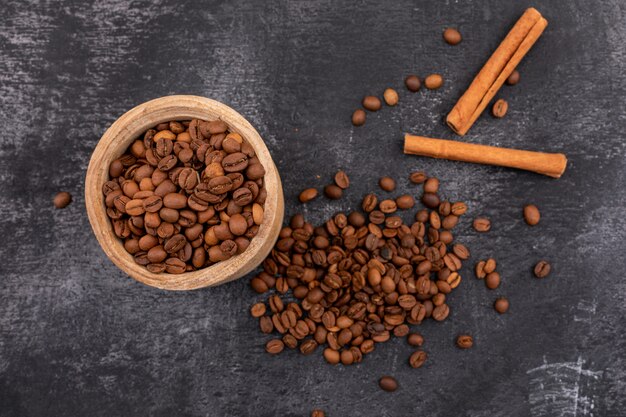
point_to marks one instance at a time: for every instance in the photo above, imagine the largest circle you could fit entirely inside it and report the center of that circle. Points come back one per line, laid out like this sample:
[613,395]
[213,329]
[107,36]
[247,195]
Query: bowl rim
[131,126]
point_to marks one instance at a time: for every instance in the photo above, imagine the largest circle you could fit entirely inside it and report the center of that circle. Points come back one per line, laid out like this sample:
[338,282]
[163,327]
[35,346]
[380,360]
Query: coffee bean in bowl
[182,193]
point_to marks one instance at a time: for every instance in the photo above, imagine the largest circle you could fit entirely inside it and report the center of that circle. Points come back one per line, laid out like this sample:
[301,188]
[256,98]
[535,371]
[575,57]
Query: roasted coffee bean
[388,383]
[499,108]
[274,346]
[387,206]
[461,251]
[452,36]
[391,97]
[418,177]
[63,198]
[542,269]
[415,339]
[465,341]
[433,81]
[513,78]
[371,103]
[387,183]
[459,208]
[430,200]
[492,280]
[342,180]
[490,265]
[412,83]
[358,117]
[531,215]
[152,204]
[235,162]
[417,359]
[441,312]
[501,305]
[481,224]
[175,266]
[318,413]
[333,192]
[370,201]
[405,202]
[307,195]
[243,196]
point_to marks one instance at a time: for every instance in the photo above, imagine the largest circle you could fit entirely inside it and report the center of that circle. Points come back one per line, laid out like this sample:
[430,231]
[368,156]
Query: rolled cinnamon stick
[550,164]
[496,70]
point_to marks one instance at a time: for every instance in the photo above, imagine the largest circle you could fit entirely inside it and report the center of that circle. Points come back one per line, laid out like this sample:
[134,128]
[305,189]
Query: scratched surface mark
[77,337]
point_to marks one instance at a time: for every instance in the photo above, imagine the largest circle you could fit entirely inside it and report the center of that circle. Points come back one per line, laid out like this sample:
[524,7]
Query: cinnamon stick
[550,164]
[496,70]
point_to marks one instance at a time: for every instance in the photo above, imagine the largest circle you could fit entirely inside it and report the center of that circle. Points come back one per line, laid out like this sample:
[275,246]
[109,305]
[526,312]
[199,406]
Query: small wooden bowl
[132,125]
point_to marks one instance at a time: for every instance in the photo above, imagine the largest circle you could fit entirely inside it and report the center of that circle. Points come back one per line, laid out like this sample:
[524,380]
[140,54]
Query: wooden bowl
[132,125]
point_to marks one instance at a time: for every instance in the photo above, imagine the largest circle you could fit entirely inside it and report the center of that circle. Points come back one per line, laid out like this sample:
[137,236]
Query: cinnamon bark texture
[550,164]
[496,70]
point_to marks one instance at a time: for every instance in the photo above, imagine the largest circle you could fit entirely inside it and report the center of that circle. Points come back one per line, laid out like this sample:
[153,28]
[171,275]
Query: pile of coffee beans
[362,277]
[186,195]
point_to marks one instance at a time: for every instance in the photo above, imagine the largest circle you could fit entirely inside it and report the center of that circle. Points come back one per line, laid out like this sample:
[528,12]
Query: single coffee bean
[62,199]
[481,224]
[175,266]
[490,265]
[235,162]
[417,359]
[430,200]
[387,183]
[492,280]
[501,305]
[465,341]
[513,78]
[415,339]
[405,202]
[391,97]
[499,108]
[152,204]
[452,36]
[274,346]
[388,383]
[461,251]
[307,195]
[441,312]
[542,269]
[371,103]
[342,180]
[318,413]
[332,356]
[370,201]
[418,177]
[459,208]
[333,192]
[531,215]
[412,83]
[433,81]
[358,117]
[431,185]
[480,270]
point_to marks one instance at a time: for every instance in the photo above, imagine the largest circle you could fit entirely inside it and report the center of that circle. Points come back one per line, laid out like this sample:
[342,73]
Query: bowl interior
[131,126]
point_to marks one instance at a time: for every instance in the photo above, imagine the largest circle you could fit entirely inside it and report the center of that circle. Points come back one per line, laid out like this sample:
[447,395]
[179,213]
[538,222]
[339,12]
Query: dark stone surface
[78,337]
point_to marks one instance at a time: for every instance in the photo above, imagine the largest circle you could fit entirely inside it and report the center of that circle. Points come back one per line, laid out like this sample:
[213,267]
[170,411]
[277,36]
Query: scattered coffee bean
[513,78]
[501,305]
[490,265]
[413,83]
[542,269]
[358,117]
[318,413]
[405,202]
[342,180]
[274,346]
[388,383]
[531,215]
[333,192]
[492,280]
[418,177]
[465,341]
[417,359]
[257,310]
[387,183]
[371,103]
[452,36]
[307,195]
[433,81]
[481,224]
[186,196]
[415,339]
[499,108]
[62,199]
[431,185]
[391,97]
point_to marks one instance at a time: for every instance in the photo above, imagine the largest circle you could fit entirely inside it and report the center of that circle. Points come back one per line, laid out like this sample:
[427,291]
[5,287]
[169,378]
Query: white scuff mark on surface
[585,311]
[555,389]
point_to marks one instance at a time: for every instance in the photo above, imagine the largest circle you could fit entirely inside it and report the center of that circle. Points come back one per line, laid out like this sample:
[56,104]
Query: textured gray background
[79,338]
